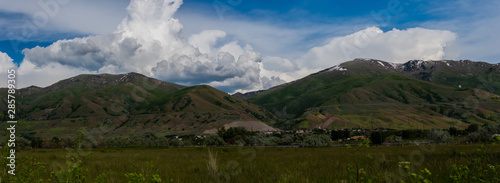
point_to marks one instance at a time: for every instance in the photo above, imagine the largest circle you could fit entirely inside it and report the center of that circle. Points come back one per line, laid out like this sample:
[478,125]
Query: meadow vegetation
[357,163]
[238,155]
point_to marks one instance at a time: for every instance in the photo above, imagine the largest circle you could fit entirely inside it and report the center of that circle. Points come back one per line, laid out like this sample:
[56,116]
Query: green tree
[335,135]
[22,142]
[261,139]
[233,134]
[147,139]
[286,139]
[37,142]
[472,128]
[439,136]
[453,131]
[56,141]
[314,140]
[213,140]
[376,138]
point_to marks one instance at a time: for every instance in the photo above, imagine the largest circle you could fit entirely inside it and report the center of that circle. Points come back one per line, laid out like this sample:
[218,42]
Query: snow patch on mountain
[337,68]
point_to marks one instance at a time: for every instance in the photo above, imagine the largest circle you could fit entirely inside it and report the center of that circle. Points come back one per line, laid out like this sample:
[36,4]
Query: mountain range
[363,93]
[370,93]
[127,103]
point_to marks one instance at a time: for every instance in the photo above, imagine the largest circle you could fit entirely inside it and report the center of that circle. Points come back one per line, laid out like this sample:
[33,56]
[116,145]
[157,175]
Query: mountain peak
[33,87]
[124,103]
[104,80]
[372,63]
[130,76]
[99,79]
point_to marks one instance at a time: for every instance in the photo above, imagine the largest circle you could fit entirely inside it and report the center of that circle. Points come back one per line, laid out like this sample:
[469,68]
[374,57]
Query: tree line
[241,136]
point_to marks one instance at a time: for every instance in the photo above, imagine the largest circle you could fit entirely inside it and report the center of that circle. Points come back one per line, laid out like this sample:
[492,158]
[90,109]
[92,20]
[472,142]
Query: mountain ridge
[427,88]
[363,93]
[126,103]
[409,66]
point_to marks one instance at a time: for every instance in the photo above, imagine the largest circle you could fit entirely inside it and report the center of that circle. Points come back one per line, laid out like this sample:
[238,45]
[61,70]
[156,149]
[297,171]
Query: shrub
[286,139]
[176,142]
[37,142]
[147,139]
[393,139]
[439,136]
[80,140]
[495,138]
[213,140]
[116,142]
[316,141]
[463,173]
[484,134]
[417,176]
[261,139]
[148,175]
[73,172]
[413,134]
[67,143]
[28,170]
[22,142]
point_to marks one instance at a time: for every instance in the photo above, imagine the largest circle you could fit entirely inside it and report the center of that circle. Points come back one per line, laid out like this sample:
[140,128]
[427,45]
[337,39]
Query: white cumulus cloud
[150,41]
[5,62]
[206,39]
[393,46]
[30,74]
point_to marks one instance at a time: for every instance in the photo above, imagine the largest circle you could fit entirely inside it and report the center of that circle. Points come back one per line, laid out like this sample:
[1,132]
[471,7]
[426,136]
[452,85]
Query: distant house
[268,132]
[357,137]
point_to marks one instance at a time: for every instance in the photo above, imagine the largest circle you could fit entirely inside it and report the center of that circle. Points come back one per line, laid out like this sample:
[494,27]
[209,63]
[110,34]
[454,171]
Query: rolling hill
[362,93]
[123,104]
[369,93]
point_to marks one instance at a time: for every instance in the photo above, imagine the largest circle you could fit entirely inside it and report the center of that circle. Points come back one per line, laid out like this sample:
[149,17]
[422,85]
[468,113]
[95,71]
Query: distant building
[357,137]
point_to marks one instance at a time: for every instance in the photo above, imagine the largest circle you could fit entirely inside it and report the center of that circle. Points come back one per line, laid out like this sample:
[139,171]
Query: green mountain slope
[377,94]
[464,73]
[128,103]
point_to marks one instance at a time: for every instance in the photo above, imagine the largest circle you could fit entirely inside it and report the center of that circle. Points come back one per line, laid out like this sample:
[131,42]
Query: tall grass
[272,164]
[212,164]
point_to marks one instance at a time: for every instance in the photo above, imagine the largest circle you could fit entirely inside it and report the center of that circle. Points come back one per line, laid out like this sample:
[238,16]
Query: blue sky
[288,13]
[283,33]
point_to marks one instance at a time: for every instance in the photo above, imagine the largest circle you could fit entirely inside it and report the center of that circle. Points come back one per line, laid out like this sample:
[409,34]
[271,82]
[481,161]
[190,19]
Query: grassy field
[269,164]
